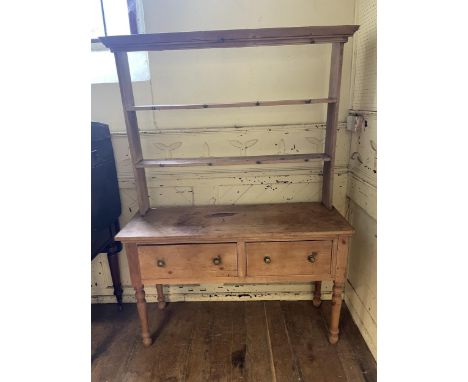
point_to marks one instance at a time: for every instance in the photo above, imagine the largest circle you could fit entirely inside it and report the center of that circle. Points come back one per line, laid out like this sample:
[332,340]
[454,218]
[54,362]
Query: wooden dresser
[235,244]
[238,244]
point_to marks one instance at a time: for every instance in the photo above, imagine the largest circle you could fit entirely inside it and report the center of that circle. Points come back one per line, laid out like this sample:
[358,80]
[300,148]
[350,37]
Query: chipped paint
[222,292]
[225,185]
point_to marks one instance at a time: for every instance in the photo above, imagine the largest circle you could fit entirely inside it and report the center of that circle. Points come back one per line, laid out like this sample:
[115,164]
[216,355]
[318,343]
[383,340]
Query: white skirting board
[219,292]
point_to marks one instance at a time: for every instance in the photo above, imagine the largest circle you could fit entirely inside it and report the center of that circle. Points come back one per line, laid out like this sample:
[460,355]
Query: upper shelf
[234,38]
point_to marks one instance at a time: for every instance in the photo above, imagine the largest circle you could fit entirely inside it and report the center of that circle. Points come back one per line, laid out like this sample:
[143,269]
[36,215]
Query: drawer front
[188,261]
[289,258]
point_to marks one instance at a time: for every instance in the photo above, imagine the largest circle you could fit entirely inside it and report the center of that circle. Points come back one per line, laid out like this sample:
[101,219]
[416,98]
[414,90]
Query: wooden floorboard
[209,358]
[317,359]
[228,341]
[258,366]
[113,333]
[358,363]
[174,344]
[238,343]
[141,361]
[284,360]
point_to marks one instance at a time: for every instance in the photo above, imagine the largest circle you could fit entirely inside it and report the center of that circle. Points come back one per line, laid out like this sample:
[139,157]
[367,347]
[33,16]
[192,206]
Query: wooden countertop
[286,221]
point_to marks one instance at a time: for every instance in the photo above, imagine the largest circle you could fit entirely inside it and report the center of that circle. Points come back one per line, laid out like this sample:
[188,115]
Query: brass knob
[161,263]
[217,260]
[312,256]
[267,259]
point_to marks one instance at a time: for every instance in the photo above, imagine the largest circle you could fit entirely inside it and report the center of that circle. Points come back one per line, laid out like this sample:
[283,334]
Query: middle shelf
[283,102]
[227,161]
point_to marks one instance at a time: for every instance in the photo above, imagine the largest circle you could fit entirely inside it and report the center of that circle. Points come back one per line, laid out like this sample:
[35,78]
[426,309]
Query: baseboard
[361,316]
[129,297]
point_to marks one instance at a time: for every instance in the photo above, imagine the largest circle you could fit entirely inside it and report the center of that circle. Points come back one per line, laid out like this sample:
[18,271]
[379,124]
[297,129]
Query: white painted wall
[361,289]
[264,73]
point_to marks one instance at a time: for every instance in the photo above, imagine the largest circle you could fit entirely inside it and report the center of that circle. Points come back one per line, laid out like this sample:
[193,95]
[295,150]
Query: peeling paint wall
[229,75]
[361,289]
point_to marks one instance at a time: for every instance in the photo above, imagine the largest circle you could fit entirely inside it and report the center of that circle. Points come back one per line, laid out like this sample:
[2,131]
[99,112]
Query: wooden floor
[228,341]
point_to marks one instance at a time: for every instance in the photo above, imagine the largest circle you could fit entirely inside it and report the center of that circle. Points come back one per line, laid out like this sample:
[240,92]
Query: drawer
[289,258]
[188,261]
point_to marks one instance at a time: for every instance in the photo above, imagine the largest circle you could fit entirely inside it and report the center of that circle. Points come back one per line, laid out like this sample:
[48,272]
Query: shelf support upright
[332,123]
[131,123]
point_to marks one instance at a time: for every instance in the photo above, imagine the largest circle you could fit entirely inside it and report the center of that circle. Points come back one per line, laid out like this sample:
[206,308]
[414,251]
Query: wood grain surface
[188,261]
[289,258]
[287,221]
[193,106]
[230,161]
[228,341]
[230,38]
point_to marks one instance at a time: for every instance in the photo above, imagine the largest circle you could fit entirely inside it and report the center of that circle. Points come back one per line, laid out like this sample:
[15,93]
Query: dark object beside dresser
[105,203]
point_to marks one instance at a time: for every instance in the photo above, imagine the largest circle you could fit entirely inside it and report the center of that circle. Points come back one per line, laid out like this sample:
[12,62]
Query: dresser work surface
[238,244]
[238,222]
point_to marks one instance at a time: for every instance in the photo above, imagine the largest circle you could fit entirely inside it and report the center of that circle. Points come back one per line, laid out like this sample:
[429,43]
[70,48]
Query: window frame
[135,16]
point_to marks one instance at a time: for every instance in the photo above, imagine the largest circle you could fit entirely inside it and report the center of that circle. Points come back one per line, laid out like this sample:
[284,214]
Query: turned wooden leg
[317,294]
[135,276]
[338,288]
[161,299]
[112,257]
[143,314]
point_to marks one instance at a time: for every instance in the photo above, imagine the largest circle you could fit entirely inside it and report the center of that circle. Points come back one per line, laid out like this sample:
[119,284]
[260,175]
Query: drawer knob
[312,256]
[161,263]
[267,259]
[217,260]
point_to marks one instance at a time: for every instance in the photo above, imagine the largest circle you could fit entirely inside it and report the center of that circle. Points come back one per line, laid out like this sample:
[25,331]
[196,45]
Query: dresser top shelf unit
[336,35]
[286,221]
[288,242]
[234,38]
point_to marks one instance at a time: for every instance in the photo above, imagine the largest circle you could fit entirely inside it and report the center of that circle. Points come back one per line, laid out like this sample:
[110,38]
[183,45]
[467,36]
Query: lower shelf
[239,160]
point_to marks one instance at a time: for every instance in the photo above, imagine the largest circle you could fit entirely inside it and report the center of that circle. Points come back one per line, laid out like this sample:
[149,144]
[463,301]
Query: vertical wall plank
[361,288]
